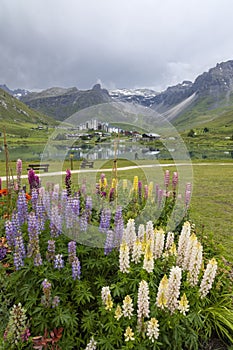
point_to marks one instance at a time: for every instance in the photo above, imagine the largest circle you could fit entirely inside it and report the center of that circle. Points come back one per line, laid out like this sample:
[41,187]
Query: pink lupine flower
[167,178]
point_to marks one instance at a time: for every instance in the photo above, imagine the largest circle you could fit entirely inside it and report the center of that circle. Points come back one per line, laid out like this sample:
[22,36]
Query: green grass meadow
[211,203]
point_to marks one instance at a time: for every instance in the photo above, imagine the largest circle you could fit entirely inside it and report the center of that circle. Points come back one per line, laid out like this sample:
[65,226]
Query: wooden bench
[87,164]
[44,167]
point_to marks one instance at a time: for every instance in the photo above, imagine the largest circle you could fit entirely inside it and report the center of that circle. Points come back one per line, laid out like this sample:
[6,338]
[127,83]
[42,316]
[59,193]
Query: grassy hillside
[18,119]
[202,113]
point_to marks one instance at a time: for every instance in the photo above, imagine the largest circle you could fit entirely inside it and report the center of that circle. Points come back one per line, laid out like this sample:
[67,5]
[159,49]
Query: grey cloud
[134,43]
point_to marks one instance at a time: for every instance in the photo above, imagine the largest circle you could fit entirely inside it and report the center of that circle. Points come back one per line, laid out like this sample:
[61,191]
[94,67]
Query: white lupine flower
[183,242]
[195,264]
[129,334]
[188,252]
[104,294]
[127,306]
[169,240]
[130,233]
[159,243]
[56,188]
[106,298]
[162,295]
[174,283]
[148,262]
[208,278]
[143,301]
[149,231]
[124,257]
[183,304]
[91,345]
[141,232]
[137,251]
[152,329]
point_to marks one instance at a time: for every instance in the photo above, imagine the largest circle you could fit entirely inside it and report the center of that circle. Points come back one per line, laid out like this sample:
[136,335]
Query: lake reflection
[129,151]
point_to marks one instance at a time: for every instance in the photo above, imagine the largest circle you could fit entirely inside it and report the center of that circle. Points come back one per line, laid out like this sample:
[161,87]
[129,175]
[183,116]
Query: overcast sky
[120,43]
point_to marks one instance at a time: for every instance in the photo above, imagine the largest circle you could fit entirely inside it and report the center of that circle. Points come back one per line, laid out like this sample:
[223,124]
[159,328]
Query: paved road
[122,168]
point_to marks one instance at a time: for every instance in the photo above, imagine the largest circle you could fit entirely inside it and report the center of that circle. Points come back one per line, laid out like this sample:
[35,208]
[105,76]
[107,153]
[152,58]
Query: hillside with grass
[18,119]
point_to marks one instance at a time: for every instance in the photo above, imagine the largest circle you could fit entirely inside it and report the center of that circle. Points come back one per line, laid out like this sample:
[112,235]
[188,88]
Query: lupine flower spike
[152,329]
[208,278]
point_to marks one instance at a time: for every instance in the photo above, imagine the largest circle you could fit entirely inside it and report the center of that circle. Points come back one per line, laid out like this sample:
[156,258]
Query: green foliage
[191,133]
[81,311]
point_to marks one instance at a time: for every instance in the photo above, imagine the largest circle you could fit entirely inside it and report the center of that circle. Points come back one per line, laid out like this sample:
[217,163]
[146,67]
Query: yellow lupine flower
[109,303]
[129,334]
[114,183]
[183,304]
[173,250]
[135,184]
[148,262]
[118,312]
[150,189]
[162,295]
[125,184]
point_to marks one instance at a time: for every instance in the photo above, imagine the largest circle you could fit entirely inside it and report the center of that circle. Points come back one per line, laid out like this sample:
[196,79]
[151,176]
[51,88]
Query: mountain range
[185,104]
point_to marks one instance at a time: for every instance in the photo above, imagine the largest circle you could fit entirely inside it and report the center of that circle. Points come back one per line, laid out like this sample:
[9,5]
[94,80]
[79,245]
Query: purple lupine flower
[18,237]
[34,195]
[160,197]
[37,259]
[55,222]
[33,244]
[10,233]
[108,246]
[40,214]
[45,300]
[140,189]
[46,199]
[97,188]
[69,215]
[111,194]
[55,301]
[167,178]
[68,182]
[83,222]
[88,208]
[15,221]
[105,220]
[55,196]
[76,206]
[84,187]
[63,203]
[58,262]
[25,336]
[19,172]
[102,177]
[76,268]
[119,226]
[146,192]
[174,180]
[188,192]
[89,203]
[46,287]
[156,191]
[50,254]
[22,208]
[71,251]
[33,226]
[33,179]
[18,253]
[3,251]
